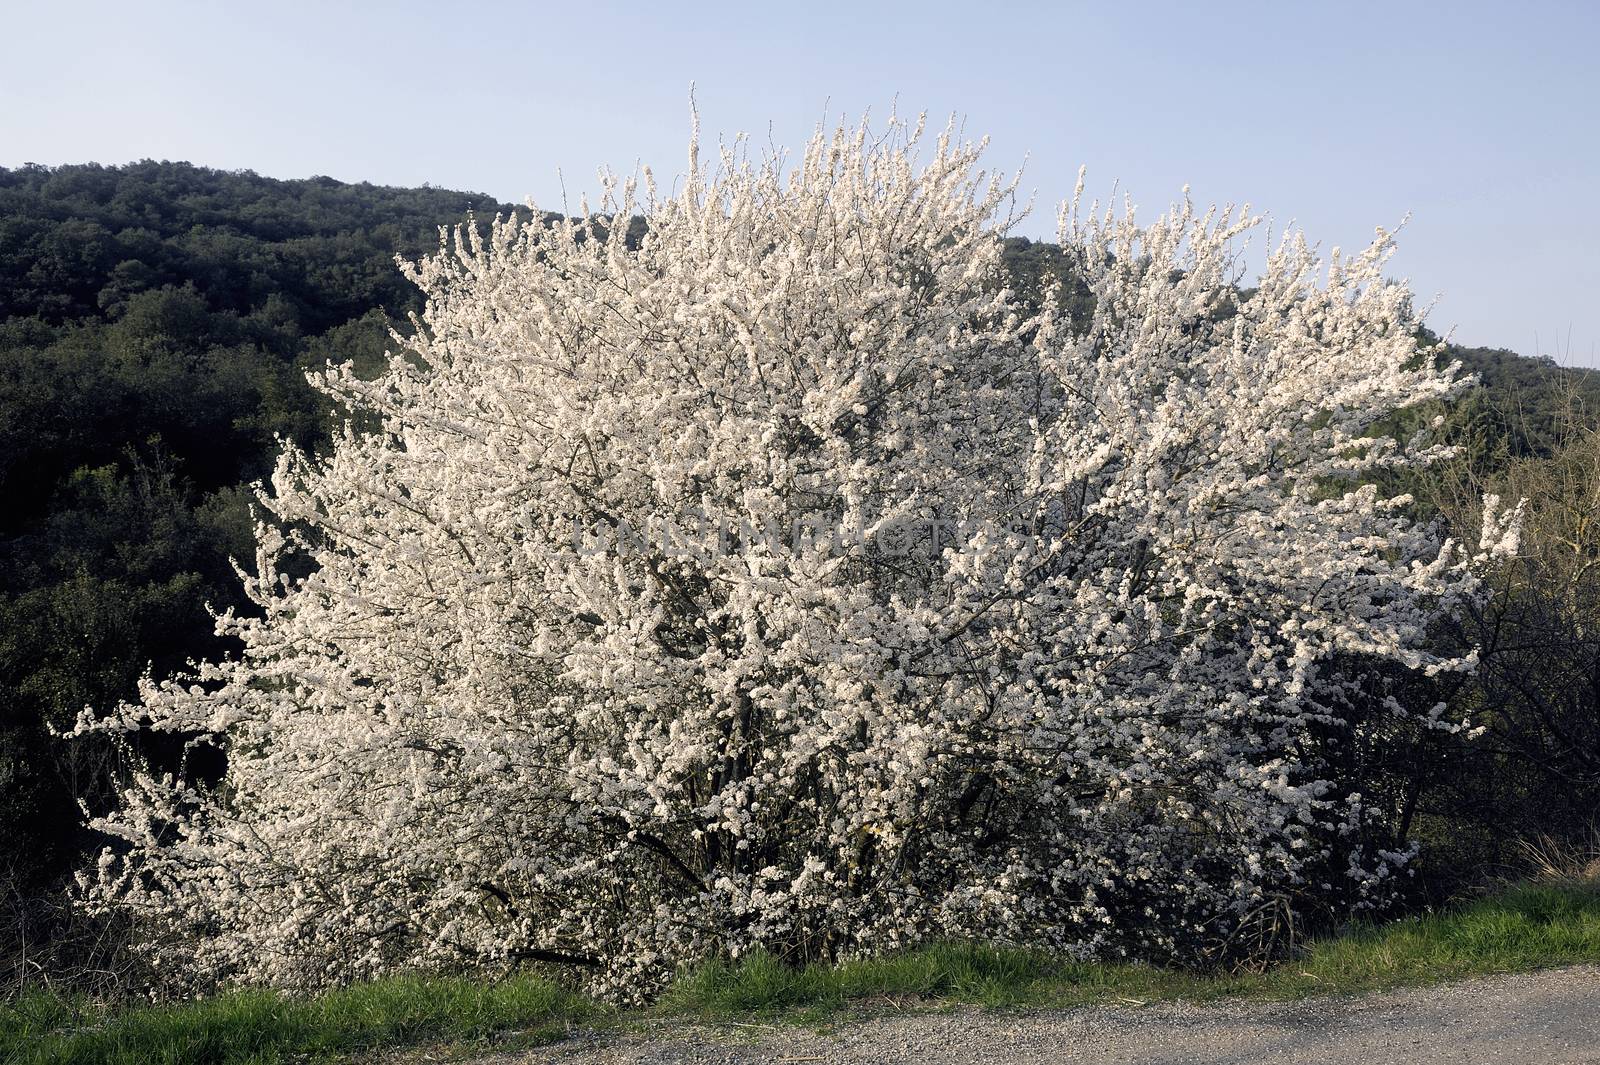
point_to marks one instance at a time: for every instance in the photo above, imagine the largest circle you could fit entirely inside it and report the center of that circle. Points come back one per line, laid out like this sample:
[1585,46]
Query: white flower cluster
[455,736]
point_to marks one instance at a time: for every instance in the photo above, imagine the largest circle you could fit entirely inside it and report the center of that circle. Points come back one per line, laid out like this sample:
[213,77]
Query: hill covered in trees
[156,322]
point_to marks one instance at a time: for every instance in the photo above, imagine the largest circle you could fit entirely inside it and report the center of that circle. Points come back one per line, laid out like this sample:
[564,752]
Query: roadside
[1301,1005]
[1543,1018]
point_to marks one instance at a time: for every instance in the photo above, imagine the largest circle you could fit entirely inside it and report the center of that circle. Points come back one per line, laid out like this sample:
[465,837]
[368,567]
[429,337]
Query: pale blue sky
[1481,120]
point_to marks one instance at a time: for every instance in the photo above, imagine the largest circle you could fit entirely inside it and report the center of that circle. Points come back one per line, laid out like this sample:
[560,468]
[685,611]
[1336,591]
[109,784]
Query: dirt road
[1532,1019]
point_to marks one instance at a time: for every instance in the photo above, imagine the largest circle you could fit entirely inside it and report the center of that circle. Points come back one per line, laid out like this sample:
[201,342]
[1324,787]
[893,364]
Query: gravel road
[1531,1019]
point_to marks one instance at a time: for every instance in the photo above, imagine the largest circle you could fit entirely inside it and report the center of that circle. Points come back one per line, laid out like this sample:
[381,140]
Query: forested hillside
[156,323]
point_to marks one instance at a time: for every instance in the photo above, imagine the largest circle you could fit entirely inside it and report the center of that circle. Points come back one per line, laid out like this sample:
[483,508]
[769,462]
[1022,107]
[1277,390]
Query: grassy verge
[261,1027]
[1526,927]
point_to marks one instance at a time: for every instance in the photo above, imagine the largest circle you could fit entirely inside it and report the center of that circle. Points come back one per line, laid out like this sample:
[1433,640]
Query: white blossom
[1085,596]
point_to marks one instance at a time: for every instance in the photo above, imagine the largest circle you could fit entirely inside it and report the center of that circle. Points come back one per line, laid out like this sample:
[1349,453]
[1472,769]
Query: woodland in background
[156,321]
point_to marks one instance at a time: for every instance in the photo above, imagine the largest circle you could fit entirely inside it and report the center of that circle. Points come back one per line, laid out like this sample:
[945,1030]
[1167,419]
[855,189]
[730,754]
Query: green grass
[259,1027]
[1530,926]
[1526,927]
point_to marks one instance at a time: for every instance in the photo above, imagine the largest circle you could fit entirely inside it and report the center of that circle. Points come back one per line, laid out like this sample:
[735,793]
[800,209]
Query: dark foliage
[156,322]
[1528,783]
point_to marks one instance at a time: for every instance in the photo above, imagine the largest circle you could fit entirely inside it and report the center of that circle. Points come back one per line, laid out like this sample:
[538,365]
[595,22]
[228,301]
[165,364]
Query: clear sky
[1481,120]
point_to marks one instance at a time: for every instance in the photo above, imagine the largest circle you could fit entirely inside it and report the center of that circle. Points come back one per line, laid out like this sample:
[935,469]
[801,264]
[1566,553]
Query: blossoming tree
[1011,626]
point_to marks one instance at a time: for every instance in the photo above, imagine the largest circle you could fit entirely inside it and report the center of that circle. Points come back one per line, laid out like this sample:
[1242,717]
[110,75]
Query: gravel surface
[1531,1019]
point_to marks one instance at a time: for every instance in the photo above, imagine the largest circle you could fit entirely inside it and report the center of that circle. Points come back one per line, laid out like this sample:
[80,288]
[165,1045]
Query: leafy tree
[1530,771]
